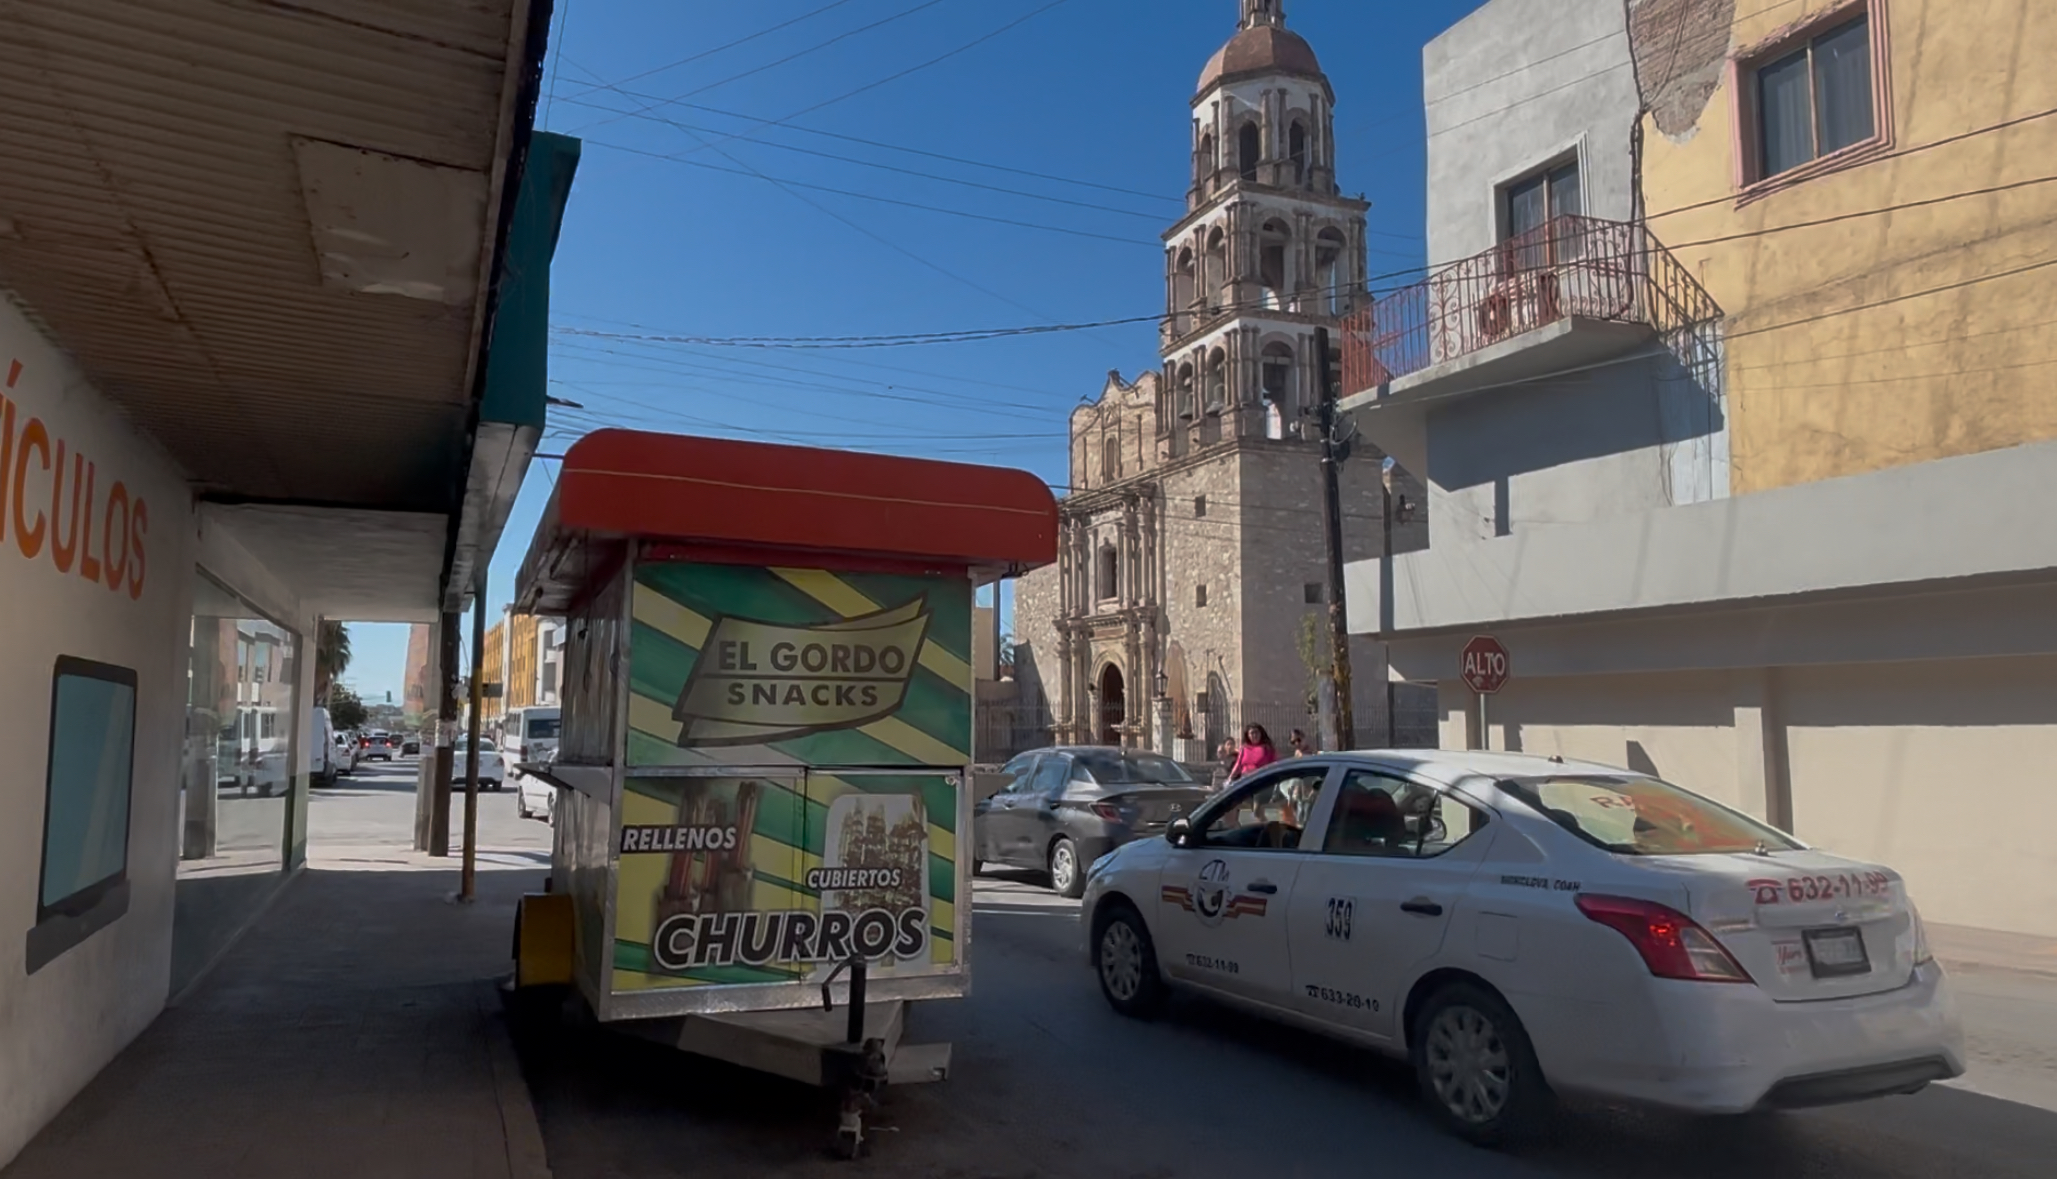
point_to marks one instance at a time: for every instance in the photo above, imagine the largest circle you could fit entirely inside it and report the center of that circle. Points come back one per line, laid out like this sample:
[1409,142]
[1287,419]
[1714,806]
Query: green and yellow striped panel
[678,605]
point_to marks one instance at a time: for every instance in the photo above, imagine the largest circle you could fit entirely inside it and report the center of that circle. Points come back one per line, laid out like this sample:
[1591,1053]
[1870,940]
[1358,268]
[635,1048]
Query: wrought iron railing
[1569,267]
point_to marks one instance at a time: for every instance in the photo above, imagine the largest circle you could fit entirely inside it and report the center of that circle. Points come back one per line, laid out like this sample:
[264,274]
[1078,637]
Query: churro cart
[763,823]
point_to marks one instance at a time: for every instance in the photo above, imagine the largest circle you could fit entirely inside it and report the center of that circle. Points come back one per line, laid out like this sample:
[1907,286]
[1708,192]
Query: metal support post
[468,889]
[446,719]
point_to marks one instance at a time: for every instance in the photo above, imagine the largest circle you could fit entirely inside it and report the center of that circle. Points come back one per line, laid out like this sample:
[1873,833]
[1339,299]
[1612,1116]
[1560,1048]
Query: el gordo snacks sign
[59,509]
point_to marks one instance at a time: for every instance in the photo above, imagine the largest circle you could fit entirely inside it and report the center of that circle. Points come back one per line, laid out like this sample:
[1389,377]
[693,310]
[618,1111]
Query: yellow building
[1737,411]
[1867,193]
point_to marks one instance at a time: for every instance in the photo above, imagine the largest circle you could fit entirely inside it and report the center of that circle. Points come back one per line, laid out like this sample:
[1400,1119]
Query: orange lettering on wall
[6,449]
[139,527]
[64,543]
[89,563]
[115,553]
[33,437]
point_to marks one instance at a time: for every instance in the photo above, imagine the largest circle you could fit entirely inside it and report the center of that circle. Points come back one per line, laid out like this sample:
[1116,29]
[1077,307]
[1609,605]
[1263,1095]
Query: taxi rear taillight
[1671,944]
[1107,811]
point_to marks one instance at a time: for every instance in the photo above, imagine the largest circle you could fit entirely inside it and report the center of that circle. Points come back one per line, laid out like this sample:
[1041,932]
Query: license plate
[1837,953]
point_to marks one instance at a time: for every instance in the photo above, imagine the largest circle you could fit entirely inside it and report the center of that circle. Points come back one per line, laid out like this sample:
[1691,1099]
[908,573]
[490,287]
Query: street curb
[526,1156]
[1965,966]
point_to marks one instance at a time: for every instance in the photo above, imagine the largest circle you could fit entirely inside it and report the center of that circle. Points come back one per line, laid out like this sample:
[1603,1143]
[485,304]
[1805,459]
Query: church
[1189,598]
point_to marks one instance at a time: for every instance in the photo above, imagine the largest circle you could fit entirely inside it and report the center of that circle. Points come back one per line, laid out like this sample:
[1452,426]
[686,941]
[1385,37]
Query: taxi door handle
[1422,906]
[1264,886]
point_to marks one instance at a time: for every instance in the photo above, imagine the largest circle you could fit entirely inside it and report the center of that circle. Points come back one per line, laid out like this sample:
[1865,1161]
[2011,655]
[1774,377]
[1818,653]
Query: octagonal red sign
[1486,666]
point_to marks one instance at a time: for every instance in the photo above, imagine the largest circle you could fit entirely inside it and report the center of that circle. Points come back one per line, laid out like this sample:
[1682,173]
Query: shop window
[89,778]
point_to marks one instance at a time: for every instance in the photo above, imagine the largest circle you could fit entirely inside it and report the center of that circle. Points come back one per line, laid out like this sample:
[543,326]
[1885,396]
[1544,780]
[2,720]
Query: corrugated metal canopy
[263,226]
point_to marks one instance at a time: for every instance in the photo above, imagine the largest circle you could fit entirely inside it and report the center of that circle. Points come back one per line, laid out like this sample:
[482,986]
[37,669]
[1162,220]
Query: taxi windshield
[1634,816]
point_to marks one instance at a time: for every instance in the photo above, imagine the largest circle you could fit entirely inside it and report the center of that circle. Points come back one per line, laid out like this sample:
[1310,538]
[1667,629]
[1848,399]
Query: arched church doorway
[1113,705]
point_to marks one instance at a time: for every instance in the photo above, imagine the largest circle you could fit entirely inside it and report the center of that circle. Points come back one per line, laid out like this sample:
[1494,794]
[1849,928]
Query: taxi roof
[1452,766]
[745,502]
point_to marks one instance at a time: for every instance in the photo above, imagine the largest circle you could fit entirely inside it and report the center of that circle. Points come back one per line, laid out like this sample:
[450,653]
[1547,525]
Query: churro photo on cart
[763,815]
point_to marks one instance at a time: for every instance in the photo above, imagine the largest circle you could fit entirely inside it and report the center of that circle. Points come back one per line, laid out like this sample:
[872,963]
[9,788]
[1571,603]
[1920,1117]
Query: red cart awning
[720,499]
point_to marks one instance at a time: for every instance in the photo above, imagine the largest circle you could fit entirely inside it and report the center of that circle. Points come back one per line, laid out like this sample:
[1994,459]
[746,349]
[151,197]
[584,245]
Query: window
[1816,99]
[1208,165]
[1051,775]
[1249,150]
[1200,596]
[1312,591]
[1391,818]
[1217,381]
[1186,409]
[1199,507]
[1328,265]
[1533,203]
[1278,373]
[1114,768]
[1273,242]
[1267,814]
[1019,772]
[86,789]
[544,728]
[1110,573]
[1217,269]
[1296,148]
[1645,817]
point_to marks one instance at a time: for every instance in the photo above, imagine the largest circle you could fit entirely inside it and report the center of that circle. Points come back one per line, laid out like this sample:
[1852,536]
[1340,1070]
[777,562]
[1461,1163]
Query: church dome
[1262,49]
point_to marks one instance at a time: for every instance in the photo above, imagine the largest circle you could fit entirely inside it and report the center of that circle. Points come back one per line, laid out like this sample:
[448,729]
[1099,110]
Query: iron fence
[1583,267]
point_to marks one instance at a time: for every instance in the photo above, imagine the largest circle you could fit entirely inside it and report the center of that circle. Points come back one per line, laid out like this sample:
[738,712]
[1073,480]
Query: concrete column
[1764,785]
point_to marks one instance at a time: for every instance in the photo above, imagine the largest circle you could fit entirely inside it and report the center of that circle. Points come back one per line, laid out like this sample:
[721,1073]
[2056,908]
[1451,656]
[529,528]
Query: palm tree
[331,658]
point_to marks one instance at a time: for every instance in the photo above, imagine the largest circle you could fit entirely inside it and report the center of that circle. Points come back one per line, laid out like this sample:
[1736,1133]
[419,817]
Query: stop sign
[1485,665]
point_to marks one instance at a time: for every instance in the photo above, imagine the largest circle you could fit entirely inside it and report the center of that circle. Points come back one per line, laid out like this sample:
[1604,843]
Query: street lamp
[1163,684]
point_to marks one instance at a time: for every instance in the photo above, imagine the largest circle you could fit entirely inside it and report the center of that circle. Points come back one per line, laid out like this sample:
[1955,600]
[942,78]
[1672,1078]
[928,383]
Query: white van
[526,734]
[323,759]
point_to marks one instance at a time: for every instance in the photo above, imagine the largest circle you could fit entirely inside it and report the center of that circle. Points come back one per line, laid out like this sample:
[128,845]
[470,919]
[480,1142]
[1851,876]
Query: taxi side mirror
[1180,832]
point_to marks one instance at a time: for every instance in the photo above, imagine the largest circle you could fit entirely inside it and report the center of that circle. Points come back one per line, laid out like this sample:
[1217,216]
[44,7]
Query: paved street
[1050,1083]
[367,820]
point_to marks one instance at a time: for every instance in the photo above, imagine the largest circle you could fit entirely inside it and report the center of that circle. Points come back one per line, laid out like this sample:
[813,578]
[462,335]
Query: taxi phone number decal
[1203,962]
[1801,889]
[1341,998]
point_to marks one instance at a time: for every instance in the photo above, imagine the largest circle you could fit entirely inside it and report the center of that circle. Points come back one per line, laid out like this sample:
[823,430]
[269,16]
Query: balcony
[1574,292]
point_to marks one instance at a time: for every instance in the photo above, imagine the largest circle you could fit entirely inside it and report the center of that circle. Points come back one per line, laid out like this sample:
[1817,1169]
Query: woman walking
[1256,753]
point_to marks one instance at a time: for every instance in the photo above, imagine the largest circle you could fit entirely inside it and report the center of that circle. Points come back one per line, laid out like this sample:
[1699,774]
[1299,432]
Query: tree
[346,711]
[331,658]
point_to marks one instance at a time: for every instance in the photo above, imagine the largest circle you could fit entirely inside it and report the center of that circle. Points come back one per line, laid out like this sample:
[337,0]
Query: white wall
[59,1026]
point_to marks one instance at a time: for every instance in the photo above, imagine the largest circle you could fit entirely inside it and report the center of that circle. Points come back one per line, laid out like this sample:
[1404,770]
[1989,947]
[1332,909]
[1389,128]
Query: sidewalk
[353,1033]
[1965,948]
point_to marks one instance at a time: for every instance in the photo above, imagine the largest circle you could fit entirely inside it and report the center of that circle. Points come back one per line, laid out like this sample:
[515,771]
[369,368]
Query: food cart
[763,825]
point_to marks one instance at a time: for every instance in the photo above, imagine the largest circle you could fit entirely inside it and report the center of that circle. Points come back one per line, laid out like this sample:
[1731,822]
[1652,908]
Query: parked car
[533,797]
[376,745]
[1517,926]
[1063,808]
[346,753]
[492,774]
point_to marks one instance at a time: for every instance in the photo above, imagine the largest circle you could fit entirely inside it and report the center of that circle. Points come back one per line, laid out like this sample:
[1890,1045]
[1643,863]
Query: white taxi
[1520,926]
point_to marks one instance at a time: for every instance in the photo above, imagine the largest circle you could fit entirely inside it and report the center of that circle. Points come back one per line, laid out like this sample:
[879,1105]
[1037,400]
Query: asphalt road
[368,818]
[1050,1083]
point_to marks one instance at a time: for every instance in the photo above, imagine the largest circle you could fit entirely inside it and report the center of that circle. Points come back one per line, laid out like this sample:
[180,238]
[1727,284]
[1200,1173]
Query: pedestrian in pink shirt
[1256,753]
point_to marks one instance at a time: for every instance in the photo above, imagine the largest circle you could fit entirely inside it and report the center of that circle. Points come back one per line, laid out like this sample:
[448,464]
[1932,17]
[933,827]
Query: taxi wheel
[1476,1068]
[1067,875]
[1125,961]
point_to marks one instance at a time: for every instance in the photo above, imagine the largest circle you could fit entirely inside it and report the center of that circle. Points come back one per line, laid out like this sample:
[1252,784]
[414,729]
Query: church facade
[1190,594]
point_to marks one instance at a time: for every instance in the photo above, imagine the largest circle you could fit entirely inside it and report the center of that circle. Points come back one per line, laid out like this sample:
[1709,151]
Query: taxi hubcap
[1062,867]
[1121,960]
[1468,1064]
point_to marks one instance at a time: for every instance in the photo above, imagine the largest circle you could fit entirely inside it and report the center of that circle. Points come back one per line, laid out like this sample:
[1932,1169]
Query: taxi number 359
[1342,914]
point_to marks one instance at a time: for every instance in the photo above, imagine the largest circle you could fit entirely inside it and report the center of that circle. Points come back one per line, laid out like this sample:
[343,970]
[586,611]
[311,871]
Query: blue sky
[669,232]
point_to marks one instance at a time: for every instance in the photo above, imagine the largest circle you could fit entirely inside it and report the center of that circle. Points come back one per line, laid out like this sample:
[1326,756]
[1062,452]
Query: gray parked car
[1064,808]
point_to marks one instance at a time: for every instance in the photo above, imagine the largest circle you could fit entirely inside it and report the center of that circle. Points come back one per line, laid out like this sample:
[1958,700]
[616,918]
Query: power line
[723,48]
[914,69]
[1912,295]
[563,24]
[1892,155]
[791,57]
[1861,213]
[863,196]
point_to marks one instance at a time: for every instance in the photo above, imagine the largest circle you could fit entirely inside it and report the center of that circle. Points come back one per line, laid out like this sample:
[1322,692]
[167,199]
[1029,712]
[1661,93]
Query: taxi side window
[1391,818]
[1267,814]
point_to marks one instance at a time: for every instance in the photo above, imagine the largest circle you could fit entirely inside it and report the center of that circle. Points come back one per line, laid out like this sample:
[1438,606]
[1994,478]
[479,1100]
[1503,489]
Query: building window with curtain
[1811,97]
[1533,202]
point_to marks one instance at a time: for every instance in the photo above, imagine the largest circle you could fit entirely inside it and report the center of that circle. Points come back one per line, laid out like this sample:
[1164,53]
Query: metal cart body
[764,807]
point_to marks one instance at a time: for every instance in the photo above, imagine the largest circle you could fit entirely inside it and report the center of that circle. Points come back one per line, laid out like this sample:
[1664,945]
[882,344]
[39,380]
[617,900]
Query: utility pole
[468,873]
[1332,519]
[1385,557]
